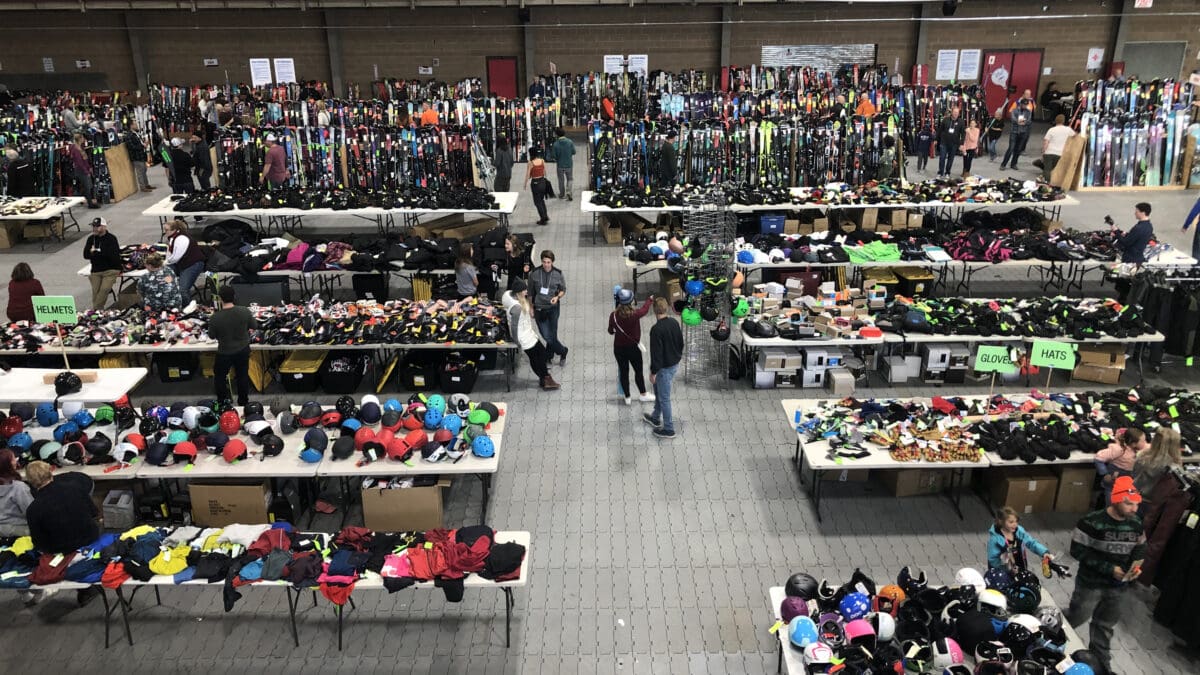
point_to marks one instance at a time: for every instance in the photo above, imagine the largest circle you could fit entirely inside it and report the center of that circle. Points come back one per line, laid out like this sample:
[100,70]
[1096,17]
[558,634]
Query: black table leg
[293,601]
[779,661]
[485,480]
[956,476]
[157,597]
[108,609]
[125,615]
[817,477]
[339,615]
[508,608]
[796,457]
[345,484]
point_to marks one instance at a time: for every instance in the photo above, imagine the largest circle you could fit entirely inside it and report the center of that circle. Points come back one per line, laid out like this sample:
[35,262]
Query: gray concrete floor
[648,556]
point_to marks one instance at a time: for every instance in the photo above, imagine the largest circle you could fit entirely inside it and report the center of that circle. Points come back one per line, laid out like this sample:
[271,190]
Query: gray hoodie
[15,498]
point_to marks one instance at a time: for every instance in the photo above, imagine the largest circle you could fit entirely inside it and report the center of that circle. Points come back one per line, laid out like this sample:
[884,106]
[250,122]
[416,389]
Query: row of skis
[53,172]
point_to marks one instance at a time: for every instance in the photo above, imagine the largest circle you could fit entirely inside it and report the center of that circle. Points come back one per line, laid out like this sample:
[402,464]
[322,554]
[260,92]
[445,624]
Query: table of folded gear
[58,206]
[369,581]
[289,219]
[25,384]
[794,659]
[1051,210]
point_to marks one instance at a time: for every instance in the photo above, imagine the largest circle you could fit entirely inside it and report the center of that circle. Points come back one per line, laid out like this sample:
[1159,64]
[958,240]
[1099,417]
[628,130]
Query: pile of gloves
[1058,317]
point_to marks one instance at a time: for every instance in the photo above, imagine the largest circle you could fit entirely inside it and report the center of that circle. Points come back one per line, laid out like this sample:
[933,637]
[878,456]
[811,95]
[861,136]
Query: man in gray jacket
[547,286]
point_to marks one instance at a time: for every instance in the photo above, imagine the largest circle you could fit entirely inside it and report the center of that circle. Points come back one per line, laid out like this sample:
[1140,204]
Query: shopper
[81,168]
[1165,452]
[1007,542]
[1164,501]
[995,129]
[136,149]
[522,328]
[185,256]
[202,162]
[104,252]
[564,160]
[1120,455]
[180,169]
[924,146]
[1109,545]
[666,350]
[429,116]
[19,169]
[549,286]
[949,139]
[887,160]
[322,114]
[275,173]
[159,286]
[1021,114]
[466,276]
[230,326]
[22,288]
[625,325]
[517,259]
[503,161]
[1053,145]
[1193,221]
[668,163]
[70,120]
[61,517]
[537,89]
[1133,243]
[15,497]
[970,146]
[538,184]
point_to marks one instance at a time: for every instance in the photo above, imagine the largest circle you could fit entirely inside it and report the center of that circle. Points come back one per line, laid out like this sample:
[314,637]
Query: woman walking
[539,185]
[625,325]
[970,146]
[522,328]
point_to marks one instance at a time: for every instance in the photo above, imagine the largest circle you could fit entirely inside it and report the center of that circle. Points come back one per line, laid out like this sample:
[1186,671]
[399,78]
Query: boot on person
[548,383]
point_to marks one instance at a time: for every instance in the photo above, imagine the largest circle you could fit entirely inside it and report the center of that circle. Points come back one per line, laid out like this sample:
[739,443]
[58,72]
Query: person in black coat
[104,252]
[951,133]
[668,164]
[180,170]
[62,516]
[202,161]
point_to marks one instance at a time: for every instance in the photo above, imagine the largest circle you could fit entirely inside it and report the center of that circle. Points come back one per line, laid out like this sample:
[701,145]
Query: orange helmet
[889,598]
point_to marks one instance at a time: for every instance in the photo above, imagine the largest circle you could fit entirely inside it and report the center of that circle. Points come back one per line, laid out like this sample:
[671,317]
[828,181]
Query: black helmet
[912,580]
[253,408]
[272,445]
[148,426]
[67,383]
[344,405]
[343,447]
[801,585]
[721,332]
[287,422]
[126,417]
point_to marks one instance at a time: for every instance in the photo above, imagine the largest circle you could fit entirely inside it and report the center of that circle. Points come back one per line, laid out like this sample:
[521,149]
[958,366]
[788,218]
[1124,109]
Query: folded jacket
[137,532]
[171,561]
[396,565]
[274,564]
[269,540]
[212,566]
[504,562]
[87,571]
[356,538]
[304,569]
[51,568]
[242,535]
[114,575]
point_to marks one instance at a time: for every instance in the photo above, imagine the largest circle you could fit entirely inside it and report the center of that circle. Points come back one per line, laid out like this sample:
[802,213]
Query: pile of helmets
[76,436]
[1078,319]
[112,327]
[913,626]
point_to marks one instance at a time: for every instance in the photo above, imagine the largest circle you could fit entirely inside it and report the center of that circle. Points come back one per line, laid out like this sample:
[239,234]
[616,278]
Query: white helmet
[992,601]
[884,625]
[969,576]
[69,408]
[818,653]
[1028,621]
[191,416]
[369,398]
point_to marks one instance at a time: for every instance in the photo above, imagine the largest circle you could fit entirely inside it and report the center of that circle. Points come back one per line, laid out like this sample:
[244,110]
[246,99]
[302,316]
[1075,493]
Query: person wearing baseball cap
[180,172]
[275,172]
[1110,546]
[104,252]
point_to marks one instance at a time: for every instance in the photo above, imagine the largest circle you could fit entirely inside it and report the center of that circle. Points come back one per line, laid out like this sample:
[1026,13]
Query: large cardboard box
[403,509]
[1074,488]
[1104,374]
[1025,489]
[1108,355]
[910,482]
[226,503]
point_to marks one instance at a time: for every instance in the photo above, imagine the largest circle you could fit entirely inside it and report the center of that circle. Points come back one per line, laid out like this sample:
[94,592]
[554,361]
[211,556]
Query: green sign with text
[992,359]
[55,308]
[1052,354]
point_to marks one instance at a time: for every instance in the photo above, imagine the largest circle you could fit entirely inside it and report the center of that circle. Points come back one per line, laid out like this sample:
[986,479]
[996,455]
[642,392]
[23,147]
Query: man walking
[275,172]
[564,157]
[1109,546]
[230,326]
[1021,113]
[548,286]
[950,136]
[666,349]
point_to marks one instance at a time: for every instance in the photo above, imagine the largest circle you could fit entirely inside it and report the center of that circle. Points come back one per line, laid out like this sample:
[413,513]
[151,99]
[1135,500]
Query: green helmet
[105,414]
[691,316]
[478,416]
[742,308]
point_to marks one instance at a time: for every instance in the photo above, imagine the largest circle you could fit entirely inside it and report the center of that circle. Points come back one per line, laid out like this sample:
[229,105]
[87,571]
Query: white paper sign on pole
[968,64]
[1095,58]
[285,71]
[638,63]
[947,64]
[613,63]
[260,72]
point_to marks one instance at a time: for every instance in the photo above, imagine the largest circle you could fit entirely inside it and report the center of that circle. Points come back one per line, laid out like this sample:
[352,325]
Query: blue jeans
[662,396]
[992,144]
[187,280]
[547,322]
[946,155]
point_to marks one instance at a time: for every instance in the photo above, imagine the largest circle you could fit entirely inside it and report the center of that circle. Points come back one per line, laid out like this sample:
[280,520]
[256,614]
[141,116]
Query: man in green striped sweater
[1109,545]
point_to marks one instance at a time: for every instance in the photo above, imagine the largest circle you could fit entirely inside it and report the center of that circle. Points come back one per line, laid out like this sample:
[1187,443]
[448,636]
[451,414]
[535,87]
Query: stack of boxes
[1100,363]
[792,367]
[945,363]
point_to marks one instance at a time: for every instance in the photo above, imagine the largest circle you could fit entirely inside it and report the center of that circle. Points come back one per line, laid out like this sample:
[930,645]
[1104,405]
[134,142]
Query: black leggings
[240,363]
[629,356]
[538,358]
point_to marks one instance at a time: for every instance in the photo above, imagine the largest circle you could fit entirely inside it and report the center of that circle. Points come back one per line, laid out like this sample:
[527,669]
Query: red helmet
[889,598]
[11,426]
[396,448]
[234,450]
[384,436]
[331,419]
[230,423]
[415,438]
[362,436]
[137,440]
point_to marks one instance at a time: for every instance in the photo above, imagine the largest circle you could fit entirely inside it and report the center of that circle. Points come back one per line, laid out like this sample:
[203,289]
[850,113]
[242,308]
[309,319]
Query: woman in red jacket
[21,290]
[625,325]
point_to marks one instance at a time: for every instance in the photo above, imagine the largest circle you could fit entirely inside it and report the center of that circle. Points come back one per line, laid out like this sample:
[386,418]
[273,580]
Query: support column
[333,38]
[726,35]
[527,38]
[132,23]
[921,54]
[1120,32]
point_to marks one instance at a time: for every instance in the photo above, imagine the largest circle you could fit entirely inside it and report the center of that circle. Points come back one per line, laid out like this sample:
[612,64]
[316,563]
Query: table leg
[779,660]
[817,477]
[486,480]
[125,615]
[508,608]
[595,225]
[796,457]
[339,615]
[157,597]
[956,476]
[345,485]
[293,598]
[107,614]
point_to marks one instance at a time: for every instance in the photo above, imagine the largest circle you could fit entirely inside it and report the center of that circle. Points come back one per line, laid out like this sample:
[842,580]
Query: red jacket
[20,299]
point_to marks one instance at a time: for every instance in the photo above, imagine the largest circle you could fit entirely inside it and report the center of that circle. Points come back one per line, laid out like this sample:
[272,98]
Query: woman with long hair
[466,275]
[21,289]
[625,325]
[517,258]
[523,329]
[1165,451]
[185,256]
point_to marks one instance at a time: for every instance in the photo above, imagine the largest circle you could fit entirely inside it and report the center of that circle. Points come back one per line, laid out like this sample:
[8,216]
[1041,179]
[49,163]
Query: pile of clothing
[1058,317]
[413,197]
[238,555]
[908,430]
[112,327]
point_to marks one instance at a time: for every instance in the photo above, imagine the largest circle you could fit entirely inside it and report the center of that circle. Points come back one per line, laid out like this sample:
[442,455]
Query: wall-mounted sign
[211,63]
[260,72]
[285,70]
[83,64]
[48,64]
[424,70]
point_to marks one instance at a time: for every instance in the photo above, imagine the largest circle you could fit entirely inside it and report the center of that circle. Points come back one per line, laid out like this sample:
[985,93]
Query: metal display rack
[708,220]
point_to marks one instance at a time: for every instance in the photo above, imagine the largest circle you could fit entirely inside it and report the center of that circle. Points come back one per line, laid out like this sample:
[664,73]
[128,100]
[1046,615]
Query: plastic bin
[914,281]
[421,369]
[301,371]
[177,367]
[881,276]
[343,374]
[771,223]
[459,374]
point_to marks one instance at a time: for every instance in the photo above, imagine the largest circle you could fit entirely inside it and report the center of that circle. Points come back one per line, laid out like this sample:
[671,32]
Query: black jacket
[1133,243]
[62,518]
[951,132]
[134,147]
[667,165]
[666,344]
[104,252]
[181,167]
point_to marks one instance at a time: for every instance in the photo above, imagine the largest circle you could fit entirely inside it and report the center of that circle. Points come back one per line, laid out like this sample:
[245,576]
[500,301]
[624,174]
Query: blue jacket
[996,545]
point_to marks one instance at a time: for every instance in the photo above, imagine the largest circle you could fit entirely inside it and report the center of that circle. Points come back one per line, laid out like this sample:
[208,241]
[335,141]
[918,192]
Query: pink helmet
[946,653]
[860,632]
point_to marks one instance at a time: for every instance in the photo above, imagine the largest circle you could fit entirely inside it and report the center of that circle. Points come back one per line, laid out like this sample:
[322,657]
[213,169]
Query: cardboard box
[820,225]
[787,379]
[10,233]
[1110,355]
[226,503]
[1074,488]
[916,220]
[764,379]
[1104,374]
[840,382]
[404,509]
[672,290]
[610,230]
[910,482]
[1026,489]
[776,359]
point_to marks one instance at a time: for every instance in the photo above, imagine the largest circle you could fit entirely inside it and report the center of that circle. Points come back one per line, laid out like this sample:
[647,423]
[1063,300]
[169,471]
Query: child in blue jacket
[1007,542]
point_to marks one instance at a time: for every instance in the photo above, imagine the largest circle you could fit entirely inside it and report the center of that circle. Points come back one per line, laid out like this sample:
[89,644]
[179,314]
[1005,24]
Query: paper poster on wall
[48,64]
[260,72]
[968,64]
[285,71]
[424,70]
[613,63]
[638,64]
[1095,58]
[947,64]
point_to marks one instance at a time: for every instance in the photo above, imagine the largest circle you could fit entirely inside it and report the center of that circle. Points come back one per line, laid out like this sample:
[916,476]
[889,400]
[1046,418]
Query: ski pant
[539,199]
[564,182]
[240,363]
[1103,607]
[968,157]
[203,176]
[662,397]
[547,323]
[629,356]
[946,155]
[182,188]
[538,358]
[83,181]
[187,280]
[1048,164]
[1016,145]
[102,283]
[922,159]
[139,172]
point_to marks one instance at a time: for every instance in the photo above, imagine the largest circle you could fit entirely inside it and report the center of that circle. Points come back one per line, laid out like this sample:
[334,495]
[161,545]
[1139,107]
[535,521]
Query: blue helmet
[482,446]
[62,431]
[393,404]
[694,287]
[854,606]
[997,578]
[1079,669]
[159,413]
[802,631]
[350,426]
[452,423]
[20,442]
[83,418]
[47,414]
[433,417]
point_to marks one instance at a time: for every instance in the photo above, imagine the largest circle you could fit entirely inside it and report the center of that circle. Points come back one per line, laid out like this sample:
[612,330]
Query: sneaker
[570,198]
[628,401]
[646,398]
[663,433]
[648,419]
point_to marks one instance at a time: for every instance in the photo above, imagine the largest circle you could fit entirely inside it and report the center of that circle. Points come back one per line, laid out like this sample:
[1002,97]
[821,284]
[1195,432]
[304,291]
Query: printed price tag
[56,560]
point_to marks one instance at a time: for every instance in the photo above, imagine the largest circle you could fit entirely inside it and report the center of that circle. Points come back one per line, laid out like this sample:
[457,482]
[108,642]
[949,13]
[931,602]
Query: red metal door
[1027,72]
[502,76]
[1007,71]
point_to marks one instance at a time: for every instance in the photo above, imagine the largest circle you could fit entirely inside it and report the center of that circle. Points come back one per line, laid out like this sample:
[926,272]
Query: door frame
[488,73]
[1009,50]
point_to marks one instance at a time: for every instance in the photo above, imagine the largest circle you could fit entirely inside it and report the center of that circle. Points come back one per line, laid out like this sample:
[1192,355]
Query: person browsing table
[104,252]
[185,257]
[230,326]
[1133,243]
[548,286]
